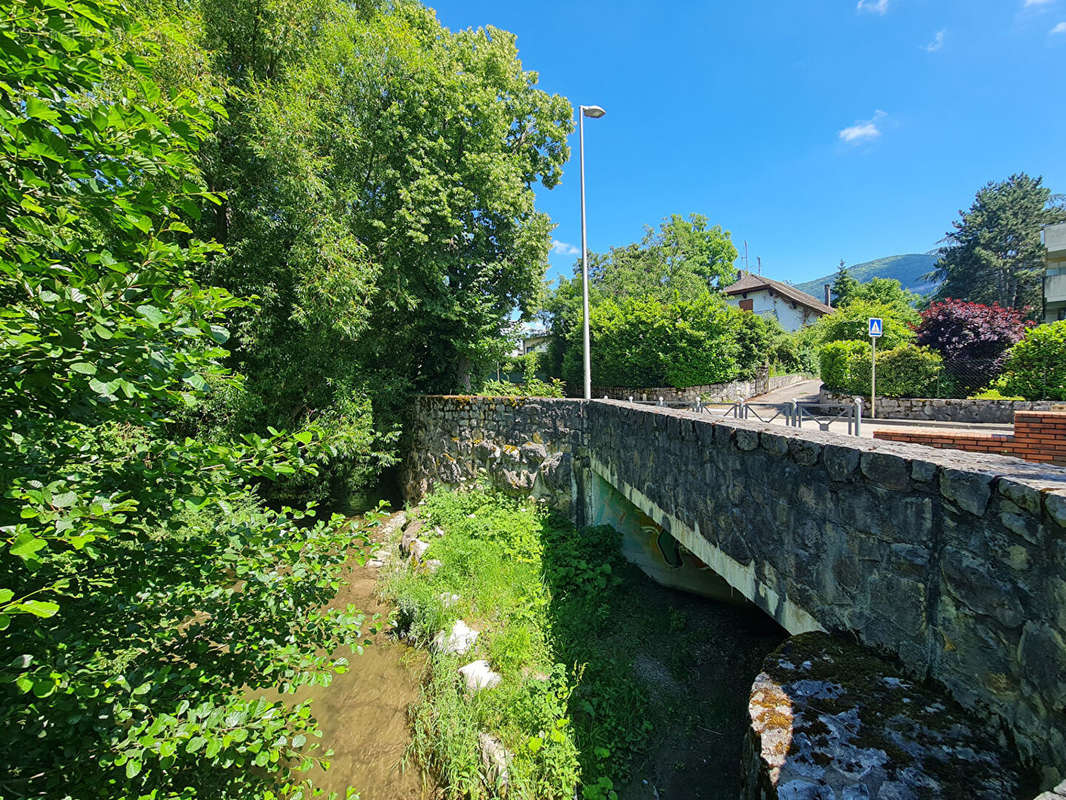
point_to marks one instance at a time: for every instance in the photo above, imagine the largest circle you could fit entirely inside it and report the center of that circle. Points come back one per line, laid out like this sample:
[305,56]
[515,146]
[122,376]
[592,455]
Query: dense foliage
[642,342]
[972,338]
[903,371]
[530,384]
[683,256]
[994,254]
[851,323]
[152,606]
[1035,368]
[683,259]
[961,330]
[377,171]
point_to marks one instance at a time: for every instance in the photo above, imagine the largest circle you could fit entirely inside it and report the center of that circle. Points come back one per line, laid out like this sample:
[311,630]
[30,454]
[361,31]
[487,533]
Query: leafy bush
[834,363]
[1035,368]
[850,323]
[531,385]
[972,338]
[530,388]
[642,341]
[153,604]
[908,371]
[904,371]
[960,330]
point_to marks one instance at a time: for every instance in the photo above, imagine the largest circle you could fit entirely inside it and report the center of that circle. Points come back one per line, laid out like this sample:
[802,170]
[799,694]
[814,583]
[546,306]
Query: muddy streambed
[695,658]
[363,713]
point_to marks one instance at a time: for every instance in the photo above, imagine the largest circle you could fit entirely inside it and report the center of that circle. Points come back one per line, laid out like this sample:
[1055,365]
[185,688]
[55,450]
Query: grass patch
[541,595]
[611,685]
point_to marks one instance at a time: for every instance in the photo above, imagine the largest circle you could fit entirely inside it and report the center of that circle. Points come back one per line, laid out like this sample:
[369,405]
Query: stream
[695,657]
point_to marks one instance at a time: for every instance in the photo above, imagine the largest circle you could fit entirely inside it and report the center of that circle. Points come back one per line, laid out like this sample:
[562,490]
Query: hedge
[1036,366]
[904,371]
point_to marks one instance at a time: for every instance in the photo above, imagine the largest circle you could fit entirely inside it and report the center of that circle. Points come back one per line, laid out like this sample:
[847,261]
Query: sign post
[876,328]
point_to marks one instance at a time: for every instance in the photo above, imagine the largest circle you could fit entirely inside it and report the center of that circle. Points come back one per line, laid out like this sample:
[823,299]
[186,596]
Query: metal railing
[794,414]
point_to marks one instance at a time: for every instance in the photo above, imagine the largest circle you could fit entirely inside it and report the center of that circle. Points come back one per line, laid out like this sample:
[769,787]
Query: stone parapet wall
[733,392]
[1039,436]
[943,410]
[953,562]
[519,445]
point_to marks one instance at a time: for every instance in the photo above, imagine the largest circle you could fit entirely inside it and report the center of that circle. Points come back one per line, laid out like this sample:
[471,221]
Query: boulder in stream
[830,720]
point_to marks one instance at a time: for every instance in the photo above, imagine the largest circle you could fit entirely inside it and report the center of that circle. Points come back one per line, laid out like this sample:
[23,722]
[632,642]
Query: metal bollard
[797,420]
[858,416]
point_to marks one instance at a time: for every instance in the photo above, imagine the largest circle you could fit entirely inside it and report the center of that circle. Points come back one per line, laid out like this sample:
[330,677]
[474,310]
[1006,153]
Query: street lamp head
[594,112]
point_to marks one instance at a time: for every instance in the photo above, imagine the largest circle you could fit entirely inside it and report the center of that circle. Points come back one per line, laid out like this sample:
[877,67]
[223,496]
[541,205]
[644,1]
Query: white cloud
[876,6]
[1029,3]
[564,249]
[864,130]
[937,43]
[1060,28]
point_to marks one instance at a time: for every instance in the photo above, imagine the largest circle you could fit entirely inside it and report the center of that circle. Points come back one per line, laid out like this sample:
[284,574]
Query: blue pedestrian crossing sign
[875,327]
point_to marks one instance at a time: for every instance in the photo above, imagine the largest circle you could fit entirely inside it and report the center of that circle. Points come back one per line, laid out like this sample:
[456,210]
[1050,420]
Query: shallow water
[364,712]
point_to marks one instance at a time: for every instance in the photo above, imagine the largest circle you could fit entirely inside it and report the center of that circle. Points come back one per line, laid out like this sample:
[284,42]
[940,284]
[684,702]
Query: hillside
[908,269]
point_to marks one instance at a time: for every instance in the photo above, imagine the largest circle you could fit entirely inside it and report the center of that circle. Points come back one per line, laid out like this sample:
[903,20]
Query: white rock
[495,760]
[437,529]
[479,675]
[433,565]
[448,600]
[459,640]
[418,549]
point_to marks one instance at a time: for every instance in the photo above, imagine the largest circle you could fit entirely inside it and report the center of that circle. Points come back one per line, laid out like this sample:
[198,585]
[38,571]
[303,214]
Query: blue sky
[814,130]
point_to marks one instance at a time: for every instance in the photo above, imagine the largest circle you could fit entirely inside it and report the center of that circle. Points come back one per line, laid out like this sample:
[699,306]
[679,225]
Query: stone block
[885,469]
[969,490]
[773,443]
[1042,655]
[977,585]
[840,462]
[746,439]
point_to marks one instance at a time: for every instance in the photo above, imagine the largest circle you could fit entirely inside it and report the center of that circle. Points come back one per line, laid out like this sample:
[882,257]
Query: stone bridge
[954,563]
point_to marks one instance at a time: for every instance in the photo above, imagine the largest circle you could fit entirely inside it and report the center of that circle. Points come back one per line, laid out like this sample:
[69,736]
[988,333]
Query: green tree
[1036,366]
[994,254]
[851,323]
[148,599]
[379,176]
[683,256]
[844,285]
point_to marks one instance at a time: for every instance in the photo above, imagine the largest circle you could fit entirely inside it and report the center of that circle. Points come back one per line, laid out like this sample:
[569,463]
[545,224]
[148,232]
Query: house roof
[754,283]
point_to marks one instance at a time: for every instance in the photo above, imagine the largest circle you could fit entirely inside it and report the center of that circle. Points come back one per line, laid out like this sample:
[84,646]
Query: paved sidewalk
[760,412]
[805,392]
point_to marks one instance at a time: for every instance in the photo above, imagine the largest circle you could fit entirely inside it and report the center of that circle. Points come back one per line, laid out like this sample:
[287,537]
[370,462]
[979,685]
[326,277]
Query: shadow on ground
[662,701]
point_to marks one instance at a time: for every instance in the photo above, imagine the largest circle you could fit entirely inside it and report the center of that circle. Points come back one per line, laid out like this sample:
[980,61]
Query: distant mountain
[908,269]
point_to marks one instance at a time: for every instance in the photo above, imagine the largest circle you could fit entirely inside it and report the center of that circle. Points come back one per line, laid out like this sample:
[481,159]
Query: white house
[769,298]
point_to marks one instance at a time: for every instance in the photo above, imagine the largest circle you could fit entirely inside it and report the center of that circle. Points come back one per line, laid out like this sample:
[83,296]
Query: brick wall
[1039,436]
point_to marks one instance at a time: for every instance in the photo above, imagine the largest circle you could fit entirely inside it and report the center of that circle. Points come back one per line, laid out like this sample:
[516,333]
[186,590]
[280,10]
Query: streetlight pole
[594,112]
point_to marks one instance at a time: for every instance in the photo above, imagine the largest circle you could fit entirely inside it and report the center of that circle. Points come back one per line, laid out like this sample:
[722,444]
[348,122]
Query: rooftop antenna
[746,269]
[758,259]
